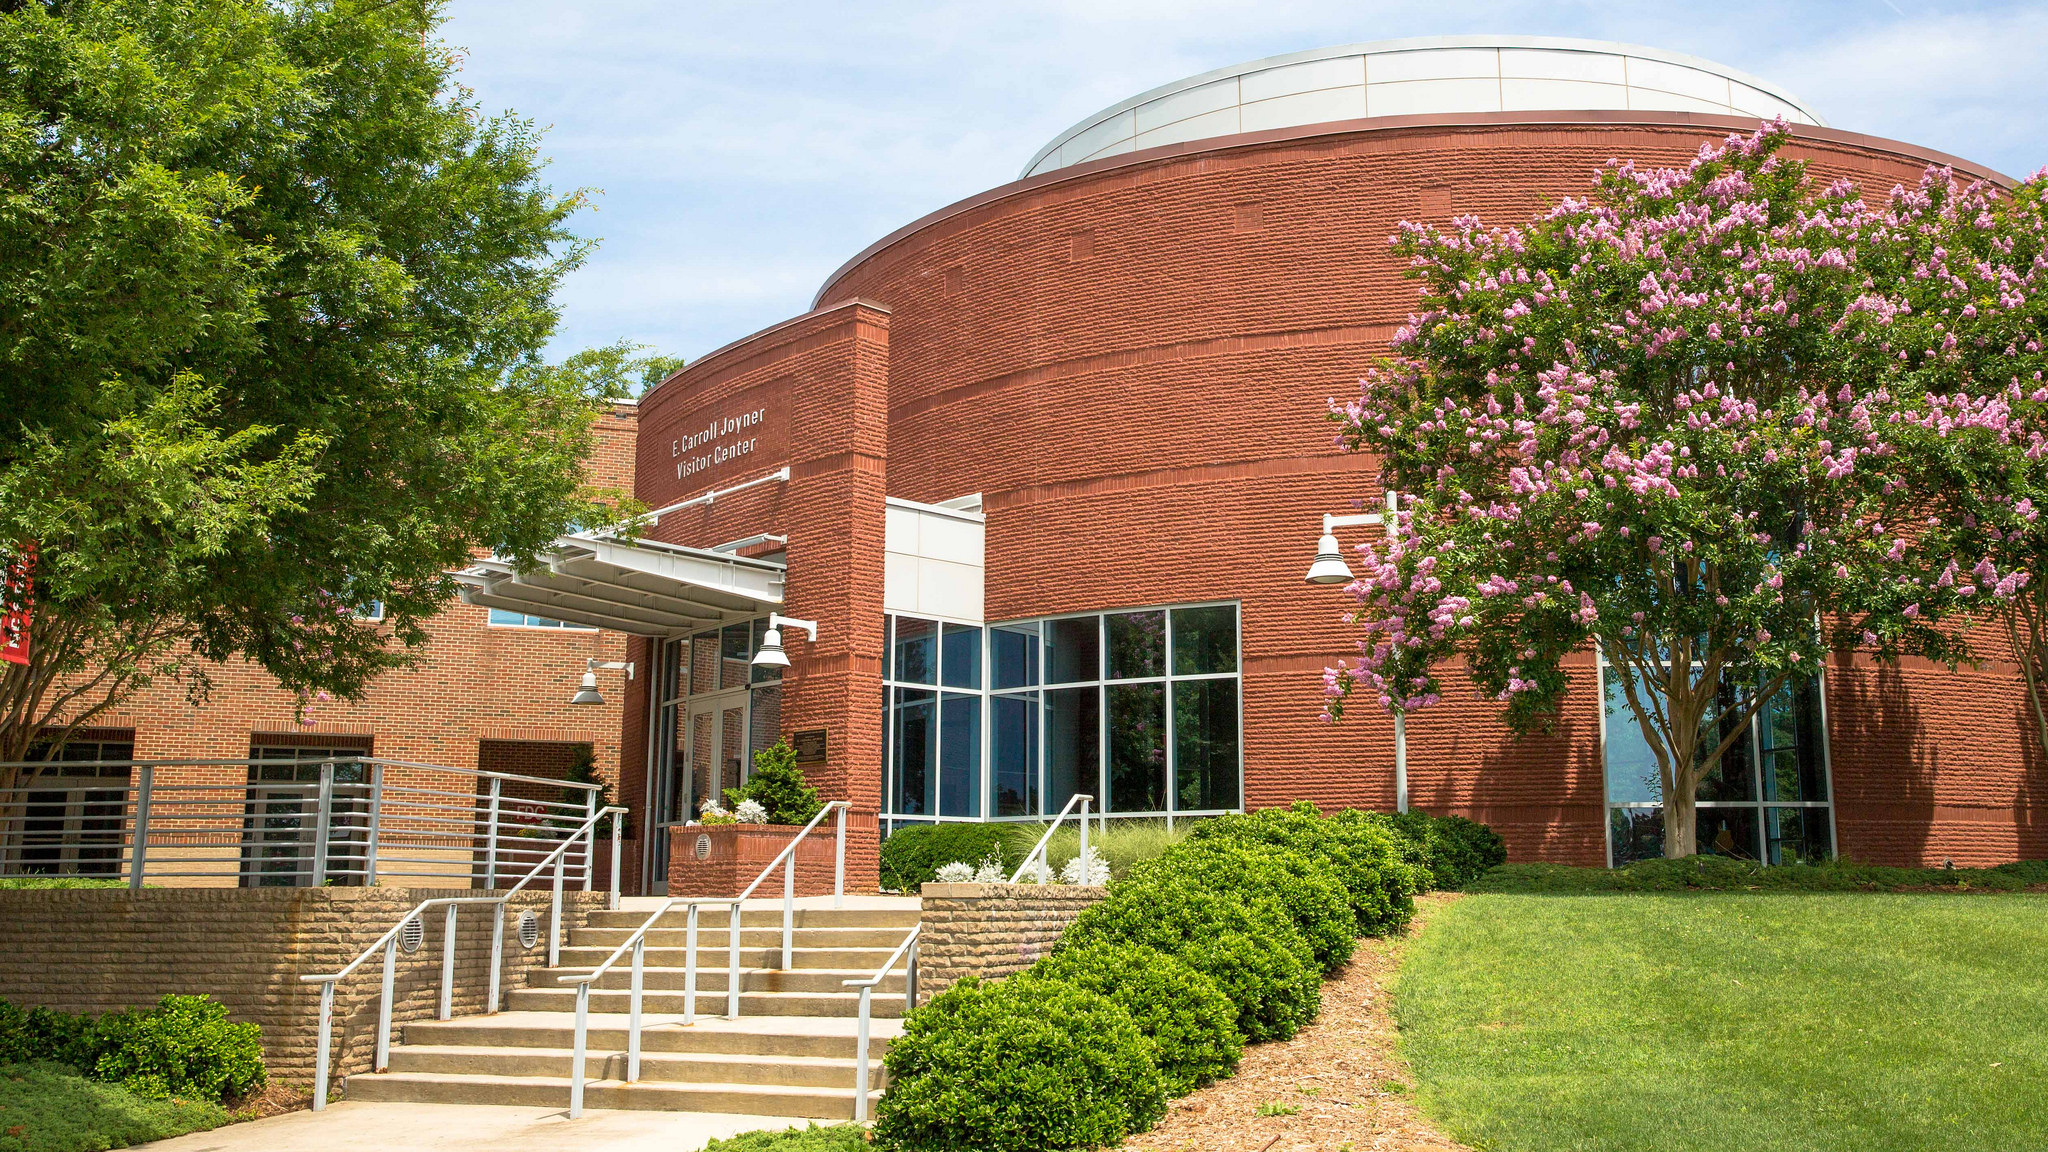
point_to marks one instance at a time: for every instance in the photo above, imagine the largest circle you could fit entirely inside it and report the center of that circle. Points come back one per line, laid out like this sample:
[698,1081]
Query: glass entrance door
[716,749]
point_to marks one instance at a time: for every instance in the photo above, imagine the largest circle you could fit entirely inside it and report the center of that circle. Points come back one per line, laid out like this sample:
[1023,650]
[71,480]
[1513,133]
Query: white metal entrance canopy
[638,587]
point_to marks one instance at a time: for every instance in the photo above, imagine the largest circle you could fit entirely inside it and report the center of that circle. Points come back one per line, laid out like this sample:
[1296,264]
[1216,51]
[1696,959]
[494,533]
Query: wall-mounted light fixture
[771,653]
[588,693]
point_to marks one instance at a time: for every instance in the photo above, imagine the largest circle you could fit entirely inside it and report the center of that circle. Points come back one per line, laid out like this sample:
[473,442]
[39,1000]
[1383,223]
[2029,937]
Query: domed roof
[1423,76]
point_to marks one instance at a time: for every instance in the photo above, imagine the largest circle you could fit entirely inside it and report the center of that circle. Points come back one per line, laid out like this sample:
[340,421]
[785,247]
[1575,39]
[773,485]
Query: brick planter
[722,859]
[992,930]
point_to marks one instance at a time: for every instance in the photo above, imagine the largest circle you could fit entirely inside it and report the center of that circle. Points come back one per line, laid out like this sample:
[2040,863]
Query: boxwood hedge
[1191,1022]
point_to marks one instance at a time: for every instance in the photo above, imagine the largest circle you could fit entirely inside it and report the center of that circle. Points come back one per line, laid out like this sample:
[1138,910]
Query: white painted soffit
[638,587]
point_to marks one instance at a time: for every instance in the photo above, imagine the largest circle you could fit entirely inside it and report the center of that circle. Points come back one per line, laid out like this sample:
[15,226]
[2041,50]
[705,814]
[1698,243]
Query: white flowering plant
[751,812]
[1090,869]
[958,872]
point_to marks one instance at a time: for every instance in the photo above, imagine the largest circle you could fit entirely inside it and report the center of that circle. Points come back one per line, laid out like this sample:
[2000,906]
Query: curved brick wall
[1129,359]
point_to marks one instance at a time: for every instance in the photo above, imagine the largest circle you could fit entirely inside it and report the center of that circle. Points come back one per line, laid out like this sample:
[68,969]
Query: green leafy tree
[1656,422]
[778,785]
[273,294]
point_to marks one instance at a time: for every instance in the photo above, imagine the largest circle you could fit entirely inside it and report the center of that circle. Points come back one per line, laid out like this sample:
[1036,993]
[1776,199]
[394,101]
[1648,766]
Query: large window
[1766,800]
[501,618]
[1139,709]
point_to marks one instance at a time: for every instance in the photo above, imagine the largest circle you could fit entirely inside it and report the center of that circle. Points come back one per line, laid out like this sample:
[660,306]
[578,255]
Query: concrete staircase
[790,1052]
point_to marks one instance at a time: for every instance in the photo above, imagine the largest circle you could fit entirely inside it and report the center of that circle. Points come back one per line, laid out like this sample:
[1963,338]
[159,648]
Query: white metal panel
[954,541]
[1549,95]
[1306,108]
[1222,122]
[1551,64]
[1309,77]
[1181,105]
[1418,97]
[1763,105]
[1097,138]
[900,528]
[1653,100]
[1678,79]
[899,581]
[1435,64]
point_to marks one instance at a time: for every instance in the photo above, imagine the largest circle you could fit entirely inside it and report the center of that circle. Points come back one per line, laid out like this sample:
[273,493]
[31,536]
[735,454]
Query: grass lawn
[1727,1022]
[49,1108]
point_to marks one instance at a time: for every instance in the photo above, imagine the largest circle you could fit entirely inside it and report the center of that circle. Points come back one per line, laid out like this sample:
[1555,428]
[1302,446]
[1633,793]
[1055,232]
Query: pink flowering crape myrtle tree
[1649,423]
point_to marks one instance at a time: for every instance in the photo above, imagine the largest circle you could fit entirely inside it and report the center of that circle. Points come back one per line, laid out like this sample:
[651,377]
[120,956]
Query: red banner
[17,603]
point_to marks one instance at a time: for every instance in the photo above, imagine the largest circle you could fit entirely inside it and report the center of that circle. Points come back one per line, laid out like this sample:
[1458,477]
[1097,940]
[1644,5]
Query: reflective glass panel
[1013,750]
[733,654]
[704,662]
[1205,745]
[1204,640]
[764,722]
[1796,835]
[1137,747]
[1137,645]
[1790,742]
[916,750]
[1073,650]
[959,755]
[917,651]
[1073,719]
[1632,775]
[1013,655]
[1728,832]
[960,656]
[1638,834]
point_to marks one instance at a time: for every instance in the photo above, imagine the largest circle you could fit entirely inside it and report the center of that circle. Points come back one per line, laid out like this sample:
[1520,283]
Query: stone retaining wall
[95,950]
[991,930]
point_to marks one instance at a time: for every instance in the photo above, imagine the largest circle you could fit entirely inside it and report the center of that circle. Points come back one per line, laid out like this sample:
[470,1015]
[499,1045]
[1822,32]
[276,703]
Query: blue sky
[745,150]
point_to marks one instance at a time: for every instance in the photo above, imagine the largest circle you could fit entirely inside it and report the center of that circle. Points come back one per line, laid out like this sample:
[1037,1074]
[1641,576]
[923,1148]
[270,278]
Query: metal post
[732,964]
[910,978]
[555,915]
[448,962]
[376,820]
[497,952]
[789,911]
[384,1005]
[582,1040]
[633,1022]
[326,1042]
[690,968]
[839,861]
[144,785]
[323,824]
[612,902]
[589,841]
[491,837]
[1400,762]
[1084,869]
[860,1060]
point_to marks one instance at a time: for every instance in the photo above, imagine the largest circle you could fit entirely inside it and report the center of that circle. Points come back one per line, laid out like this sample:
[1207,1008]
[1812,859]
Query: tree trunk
[1681,821]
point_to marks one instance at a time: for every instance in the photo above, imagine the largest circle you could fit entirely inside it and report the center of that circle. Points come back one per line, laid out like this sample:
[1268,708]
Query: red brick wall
[1129,360]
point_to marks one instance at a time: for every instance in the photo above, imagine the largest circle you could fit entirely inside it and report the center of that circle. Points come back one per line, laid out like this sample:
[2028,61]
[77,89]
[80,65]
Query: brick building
[1047,466]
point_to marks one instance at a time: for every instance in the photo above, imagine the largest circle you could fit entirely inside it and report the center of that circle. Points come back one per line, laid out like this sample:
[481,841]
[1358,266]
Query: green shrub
[1367,857]
[14,883]
[1307,890]
[1455,850]
[778,785]
[48,1107]
[1122,844]
[1250,948]
[185,1046]
[815,1138]
[1017,1066]
[1190,1021]
[912,856]
[41,1034]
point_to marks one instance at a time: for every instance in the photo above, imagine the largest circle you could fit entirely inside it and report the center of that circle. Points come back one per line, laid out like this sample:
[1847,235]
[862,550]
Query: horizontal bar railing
[388,943]
[867,989]
[269,821]
[637,944]
[1037,853]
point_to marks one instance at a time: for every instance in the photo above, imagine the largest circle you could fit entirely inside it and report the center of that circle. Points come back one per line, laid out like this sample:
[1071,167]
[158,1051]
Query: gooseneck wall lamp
[771,653]
[1329,568]
[587,693]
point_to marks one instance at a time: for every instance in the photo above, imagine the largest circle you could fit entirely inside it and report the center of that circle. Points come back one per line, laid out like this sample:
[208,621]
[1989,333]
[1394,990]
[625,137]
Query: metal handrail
[388,942]
[786,859]
[275,762]
[1038,850]
[867,988]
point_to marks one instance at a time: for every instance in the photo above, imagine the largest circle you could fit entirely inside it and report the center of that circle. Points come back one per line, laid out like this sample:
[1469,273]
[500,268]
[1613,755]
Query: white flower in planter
[1091,870]
[991,870]
[957,872]
[751,812]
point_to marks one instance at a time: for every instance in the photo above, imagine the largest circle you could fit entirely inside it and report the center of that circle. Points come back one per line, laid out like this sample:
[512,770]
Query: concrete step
[620,978]
[720,918]
[764,1037]
[866,960]
[553,1092]
[608,1064]
[837,1004]
[610,938]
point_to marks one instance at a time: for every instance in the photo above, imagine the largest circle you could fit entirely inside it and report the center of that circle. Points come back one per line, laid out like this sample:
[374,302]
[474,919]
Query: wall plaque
[809,744]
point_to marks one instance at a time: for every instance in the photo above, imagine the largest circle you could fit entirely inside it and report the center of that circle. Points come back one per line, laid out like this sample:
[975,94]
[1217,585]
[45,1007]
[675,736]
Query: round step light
[529,930]
[411,935]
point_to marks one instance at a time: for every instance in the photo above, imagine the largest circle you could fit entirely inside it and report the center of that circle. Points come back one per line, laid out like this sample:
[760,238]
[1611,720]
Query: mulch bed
[272,1099]
[1349,1090]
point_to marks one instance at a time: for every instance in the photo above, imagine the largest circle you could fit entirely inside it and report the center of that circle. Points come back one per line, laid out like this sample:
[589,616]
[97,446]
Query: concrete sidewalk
[364,1126]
